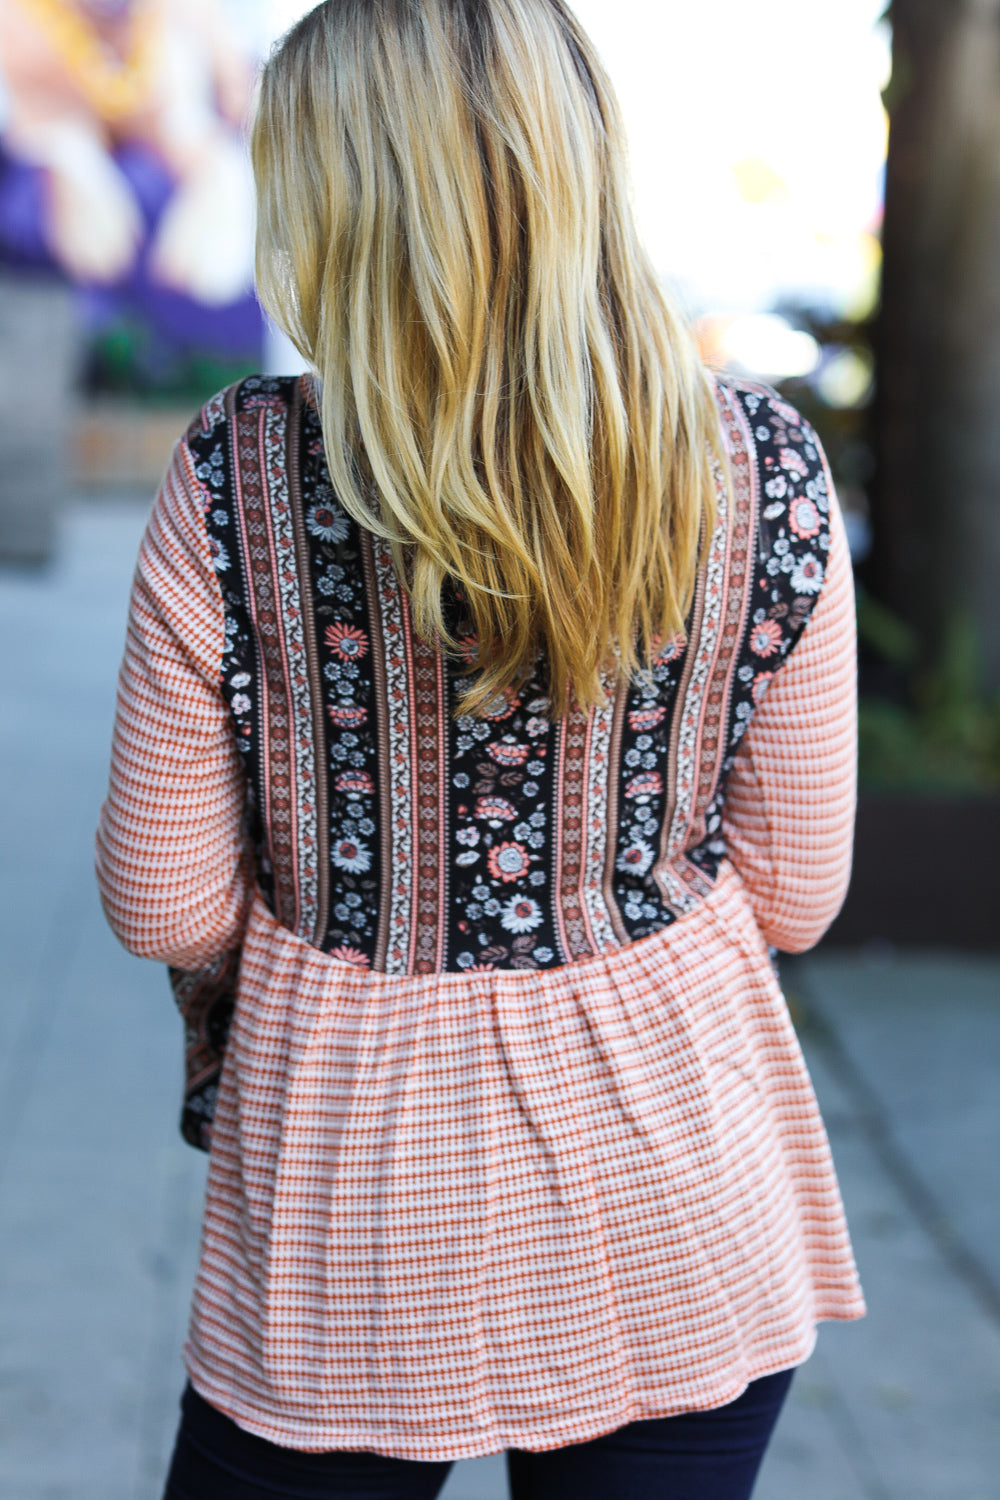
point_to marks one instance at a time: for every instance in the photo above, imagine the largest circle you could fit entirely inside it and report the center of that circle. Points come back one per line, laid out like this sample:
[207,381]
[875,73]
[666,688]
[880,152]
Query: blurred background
[818,182]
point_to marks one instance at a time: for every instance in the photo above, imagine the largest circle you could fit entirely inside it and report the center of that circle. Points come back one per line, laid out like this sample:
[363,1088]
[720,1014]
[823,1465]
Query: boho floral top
[513,1142]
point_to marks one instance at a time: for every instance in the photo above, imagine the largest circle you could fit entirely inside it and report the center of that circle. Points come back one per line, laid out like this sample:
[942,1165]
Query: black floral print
[504,807]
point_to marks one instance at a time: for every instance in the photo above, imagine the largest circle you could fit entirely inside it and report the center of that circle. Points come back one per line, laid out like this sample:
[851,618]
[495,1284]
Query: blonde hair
[445,232]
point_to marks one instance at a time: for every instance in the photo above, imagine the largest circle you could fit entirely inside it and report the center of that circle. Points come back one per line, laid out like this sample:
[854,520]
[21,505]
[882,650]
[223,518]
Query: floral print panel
[392,830]
[502,816]
[793,539]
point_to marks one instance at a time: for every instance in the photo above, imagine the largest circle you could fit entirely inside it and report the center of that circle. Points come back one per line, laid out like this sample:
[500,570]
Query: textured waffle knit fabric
[512,1142]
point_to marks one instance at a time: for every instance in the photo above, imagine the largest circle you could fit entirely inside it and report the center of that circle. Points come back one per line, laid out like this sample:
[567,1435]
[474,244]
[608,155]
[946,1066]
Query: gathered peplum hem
[454,1213]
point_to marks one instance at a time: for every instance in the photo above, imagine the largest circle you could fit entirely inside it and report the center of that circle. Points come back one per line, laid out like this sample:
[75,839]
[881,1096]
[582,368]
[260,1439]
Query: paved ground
[99,1199]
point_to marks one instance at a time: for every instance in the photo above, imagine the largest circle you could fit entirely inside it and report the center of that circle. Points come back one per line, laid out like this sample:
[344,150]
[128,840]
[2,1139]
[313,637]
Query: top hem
[323,1437]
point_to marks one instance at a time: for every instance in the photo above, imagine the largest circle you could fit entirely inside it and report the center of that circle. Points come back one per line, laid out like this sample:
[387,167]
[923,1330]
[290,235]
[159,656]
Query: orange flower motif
[765,638]
[348,955]
[346,715]
[507,752]
[508,861]
[646,784]
[793,463]
[803,517]
[646,718]
[355,783]
[502,706]
[349,643]
[495,808]
[667,650]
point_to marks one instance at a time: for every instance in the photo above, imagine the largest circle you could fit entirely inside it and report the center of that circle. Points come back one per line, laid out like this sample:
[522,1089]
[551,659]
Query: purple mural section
[123,174]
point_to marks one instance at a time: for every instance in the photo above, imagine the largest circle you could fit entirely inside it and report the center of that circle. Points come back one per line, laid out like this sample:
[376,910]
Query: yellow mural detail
[115,87]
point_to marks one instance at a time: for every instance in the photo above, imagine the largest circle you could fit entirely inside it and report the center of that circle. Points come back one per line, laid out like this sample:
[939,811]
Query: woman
[487,710]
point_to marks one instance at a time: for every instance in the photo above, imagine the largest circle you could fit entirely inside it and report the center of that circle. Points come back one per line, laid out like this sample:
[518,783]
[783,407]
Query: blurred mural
[123,171]
[126,225]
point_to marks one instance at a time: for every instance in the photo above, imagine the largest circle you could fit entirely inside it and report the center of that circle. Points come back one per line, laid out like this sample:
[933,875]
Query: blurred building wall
[38,340]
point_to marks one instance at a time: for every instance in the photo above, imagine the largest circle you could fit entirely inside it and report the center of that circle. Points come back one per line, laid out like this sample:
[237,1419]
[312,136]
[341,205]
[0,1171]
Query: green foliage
[125,360]
[929,728]
[944,736]
[890,637]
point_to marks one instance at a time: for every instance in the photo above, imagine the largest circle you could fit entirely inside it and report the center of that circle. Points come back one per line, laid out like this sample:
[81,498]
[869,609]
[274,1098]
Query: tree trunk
[937,497]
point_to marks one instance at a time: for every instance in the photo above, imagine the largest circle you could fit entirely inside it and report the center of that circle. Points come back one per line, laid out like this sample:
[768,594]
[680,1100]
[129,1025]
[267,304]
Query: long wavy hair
[446,234]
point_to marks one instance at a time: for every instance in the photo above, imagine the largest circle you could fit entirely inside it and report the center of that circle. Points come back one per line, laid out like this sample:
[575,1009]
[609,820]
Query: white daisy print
[636,859]
[327,522]
[520,914]
[351,854]
[807,575]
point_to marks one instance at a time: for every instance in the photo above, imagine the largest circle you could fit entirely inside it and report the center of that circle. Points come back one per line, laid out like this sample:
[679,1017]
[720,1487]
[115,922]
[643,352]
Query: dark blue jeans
[709,1455]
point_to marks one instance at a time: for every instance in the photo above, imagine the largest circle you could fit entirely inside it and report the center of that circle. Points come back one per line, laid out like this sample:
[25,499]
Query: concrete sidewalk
[100,1199]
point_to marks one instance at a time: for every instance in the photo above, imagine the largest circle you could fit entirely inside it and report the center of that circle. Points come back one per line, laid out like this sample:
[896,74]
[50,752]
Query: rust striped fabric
[513,1142]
